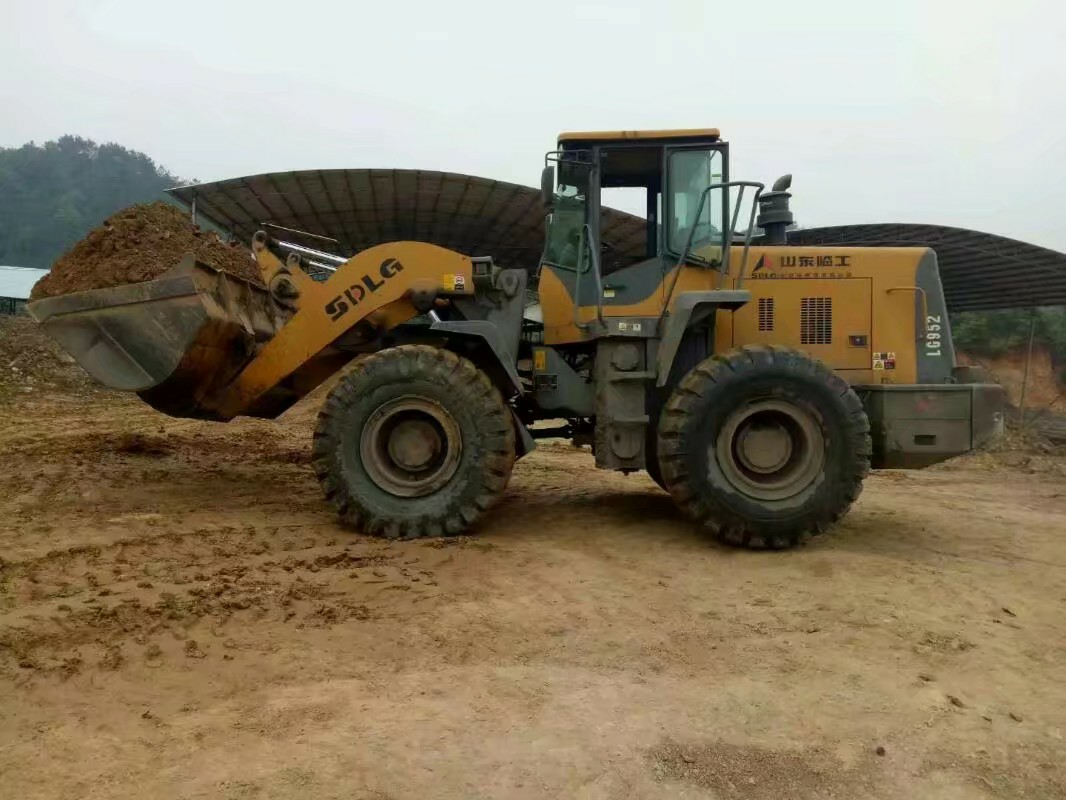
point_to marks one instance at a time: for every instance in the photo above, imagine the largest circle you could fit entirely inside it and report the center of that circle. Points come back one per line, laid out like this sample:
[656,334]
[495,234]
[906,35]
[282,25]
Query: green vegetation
[53,194]
[995,333]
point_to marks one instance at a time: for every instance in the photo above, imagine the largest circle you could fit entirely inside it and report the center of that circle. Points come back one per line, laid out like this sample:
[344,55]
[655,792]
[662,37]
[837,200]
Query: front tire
[415,441]
[764,445]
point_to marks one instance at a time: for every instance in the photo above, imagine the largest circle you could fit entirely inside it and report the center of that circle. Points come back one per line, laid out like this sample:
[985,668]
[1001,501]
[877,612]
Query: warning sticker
[608,292]
[623,326]
[453,283]
[879,363]
[540,360]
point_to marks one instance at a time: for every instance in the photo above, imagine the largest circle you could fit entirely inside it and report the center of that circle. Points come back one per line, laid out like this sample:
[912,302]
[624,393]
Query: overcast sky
[939,111]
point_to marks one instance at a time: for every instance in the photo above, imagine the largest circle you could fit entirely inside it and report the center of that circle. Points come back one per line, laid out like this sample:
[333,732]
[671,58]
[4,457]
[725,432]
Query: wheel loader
[756,382]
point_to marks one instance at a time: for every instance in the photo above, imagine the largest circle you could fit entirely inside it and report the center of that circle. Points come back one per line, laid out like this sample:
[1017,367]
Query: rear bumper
[918,425]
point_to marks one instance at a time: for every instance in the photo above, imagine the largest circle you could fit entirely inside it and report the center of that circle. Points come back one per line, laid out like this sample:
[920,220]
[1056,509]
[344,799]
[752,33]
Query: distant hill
[51,195]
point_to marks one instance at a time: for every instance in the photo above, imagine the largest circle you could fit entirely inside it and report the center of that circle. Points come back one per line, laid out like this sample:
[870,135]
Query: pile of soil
[32,362]
[1026,449]
[138,244]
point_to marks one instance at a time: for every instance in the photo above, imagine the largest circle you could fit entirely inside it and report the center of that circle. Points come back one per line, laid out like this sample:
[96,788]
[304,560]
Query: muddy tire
[765,446]
[414,442]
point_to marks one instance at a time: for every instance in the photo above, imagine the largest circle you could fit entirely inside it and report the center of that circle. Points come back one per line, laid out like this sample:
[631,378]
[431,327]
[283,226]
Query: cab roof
[711,134]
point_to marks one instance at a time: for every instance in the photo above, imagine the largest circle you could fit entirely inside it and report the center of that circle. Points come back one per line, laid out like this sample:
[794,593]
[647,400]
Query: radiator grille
[766,314]
[816,320]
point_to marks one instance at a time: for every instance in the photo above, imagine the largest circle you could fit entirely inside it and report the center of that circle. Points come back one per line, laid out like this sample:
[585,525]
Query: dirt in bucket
[138,244]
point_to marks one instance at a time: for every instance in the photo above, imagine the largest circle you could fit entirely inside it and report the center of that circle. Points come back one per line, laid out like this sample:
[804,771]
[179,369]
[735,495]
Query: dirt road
[180,616]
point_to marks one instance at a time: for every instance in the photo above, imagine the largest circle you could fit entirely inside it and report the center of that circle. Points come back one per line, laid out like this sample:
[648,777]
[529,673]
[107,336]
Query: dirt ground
[181,617]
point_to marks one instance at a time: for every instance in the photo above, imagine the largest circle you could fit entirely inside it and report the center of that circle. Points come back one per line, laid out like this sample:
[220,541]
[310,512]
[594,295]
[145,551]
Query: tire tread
[682,410]
[493,429]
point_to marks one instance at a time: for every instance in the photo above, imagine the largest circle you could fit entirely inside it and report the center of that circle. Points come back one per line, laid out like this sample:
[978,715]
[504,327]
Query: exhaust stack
[774,213]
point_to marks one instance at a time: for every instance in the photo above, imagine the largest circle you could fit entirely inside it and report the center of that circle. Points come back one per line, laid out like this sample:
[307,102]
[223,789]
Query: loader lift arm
[369,295]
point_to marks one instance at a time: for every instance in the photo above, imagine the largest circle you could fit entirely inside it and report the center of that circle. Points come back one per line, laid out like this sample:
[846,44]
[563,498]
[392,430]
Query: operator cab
[681,175]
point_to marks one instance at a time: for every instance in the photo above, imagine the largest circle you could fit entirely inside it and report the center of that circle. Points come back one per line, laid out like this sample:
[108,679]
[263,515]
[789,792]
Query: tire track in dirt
[91,603]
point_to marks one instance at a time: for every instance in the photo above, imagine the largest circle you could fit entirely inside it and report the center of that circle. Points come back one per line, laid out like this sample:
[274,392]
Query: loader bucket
[176,341]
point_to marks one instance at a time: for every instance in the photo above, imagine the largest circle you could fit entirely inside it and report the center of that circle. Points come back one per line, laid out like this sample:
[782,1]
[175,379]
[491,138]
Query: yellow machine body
[861,311]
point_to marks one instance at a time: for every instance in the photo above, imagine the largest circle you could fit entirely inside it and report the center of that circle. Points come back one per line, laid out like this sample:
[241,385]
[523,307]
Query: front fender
[493,357]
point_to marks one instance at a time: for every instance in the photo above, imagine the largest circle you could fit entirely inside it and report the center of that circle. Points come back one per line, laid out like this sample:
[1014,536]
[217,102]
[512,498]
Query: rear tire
[764,445]
[693,348]
[415,441]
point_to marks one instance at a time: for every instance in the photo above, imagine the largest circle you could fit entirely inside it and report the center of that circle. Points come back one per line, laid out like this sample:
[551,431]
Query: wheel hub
[413,444]
[764,448]
[770,449]
[410,446]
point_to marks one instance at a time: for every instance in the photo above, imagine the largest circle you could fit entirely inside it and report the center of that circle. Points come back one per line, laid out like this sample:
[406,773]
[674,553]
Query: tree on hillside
[52,195]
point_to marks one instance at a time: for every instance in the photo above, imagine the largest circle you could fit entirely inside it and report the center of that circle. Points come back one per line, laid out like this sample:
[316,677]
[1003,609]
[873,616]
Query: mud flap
[523,441]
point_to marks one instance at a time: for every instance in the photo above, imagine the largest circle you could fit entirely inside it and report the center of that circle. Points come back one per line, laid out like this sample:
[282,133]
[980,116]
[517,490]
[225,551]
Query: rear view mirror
[547,186]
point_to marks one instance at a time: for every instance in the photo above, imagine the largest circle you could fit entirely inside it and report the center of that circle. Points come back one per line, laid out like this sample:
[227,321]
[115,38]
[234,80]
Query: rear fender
[690,309]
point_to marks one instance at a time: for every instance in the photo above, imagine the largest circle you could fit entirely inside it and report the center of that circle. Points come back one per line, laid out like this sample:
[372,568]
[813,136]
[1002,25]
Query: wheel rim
[410,446]
[770,449]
